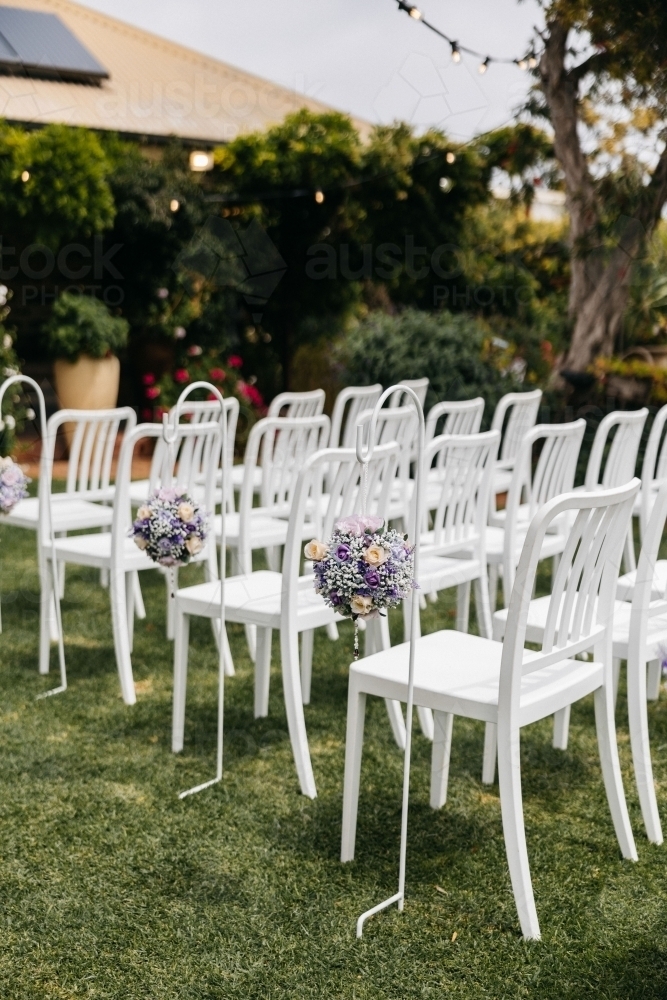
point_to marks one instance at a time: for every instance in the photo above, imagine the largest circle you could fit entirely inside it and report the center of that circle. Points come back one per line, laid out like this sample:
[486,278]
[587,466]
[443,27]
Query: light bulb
[450,157]
[319,197]
[522,64]
[456,55]
[174,204]
[532,62]
[25,176]
[414,12]
[483,66]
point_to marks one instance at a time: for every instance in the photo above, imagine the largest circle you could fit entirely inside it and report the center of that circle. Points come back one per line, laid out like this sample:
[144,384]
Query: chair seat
[69,514]
[460,673]
[265,530]
[552,545]
[626,583]
[238,472]
[438,572]
[95,550]
[255,599]
[502,480]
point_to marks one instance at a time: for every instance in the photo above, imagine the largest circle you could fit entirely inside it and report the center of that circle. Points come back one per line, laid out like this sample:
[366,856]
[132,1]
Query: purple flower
[342,552]
[372,578]
[335,597]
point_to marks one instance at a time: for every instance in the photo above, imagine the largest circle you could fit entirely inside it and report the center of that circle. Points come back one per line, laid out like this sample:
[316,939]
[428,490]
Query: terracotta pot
[86,384]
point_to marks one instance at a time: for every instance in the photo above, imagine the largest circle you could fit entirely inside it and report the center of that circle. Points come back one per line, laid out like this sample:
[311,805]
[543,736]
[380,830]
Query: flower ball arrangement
[13,485]
[170,528]
[363,569]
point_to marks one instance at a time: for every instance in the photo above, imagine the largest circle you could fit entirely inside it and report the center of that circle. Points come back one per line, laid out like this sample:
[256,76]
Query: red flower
[181,375]
[252,394]
[148,378]
[153,392]
[234,361]
[217,374]
[147,414]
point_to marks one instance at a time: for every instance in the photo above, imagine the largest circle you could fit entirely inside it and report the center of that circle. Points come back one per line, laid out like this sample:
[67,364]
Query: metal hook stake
[44,493]
[399,897]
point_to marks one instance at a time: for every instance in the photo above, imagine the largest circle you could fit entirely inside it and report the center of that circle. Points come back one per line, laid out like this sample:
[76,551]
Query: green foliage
[67,193]
[14,409]
[453,350]
[80,324]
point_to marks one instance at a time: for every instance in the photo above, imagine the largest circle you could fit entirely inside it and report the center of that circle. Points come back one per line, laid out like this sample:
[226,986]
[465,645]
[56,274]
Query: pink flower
[234,361]
[162,293]
[252,394]
[148,378]
[181,375]
[180,332]
[194,350]
[217,374]
[357,524]
[152,392]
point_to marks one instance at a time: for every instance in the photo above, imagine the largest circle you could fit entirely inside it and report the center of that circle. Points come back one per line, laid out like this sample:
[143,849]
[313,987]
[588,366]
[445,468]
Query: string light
[528,61]
[319,197]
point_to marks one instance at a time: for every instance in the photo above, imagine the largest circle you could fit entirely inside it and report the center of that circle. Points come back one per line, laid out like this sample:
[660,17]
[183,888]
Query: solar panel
[39,44]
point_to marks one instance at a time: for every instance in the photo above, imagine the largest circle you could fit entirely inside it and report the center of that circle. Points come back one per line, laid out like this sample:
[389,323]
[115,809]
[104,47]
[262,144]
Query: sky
[364,57]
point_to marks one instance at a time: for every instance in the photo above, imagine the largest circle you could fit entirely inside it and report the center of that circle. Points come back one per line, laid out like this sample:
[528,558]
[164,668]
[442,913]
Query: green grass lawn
[110,887]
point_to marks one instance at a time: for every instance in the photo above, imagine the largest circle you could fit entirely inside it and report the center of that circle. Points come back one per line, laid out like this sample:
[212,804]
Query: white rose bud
[375,555]
[193,545]
[361,605]
[140,542]
[315,550]
[186,512]
[10,421]
[143,512]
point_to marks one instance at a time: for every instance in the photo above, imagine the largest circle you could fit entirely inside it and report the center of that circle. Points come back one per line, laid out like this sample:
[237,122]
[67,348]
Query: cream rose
[140,542]
[186,511]
[315,550]
[143,512]
[375,555]
[193,545]
[361,605]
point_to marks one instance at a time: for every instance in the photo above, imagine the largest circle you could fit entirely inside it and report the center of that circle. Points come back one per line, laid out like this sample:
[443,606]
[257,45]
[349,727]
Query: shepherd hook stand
[45,498]
[399,897]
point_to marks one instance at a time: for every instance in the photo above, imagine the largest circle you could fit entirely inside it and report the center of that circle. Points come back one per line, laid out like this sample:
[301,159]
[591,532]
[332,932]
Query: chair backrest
[621,460]
[552,475]
[581,606]
[202,441]
[349,404]
[418,385]
[344,496]
[94,435]
[196,412]
[461,417]
[398,424]
[654,466]
[523,408]
[468,463]
[297,404]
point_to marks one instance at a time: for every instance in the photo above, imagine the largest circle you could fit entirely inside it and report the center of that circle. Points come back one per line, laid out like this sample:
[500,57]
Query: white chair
[350,403]
[654,469]
[288,601]
[520,410]
[459,417]
[640,638]
[529,489]
[509,686]
[396,424]
[418,385]
[285,404]
[193,412]
[116,552]
[620,460]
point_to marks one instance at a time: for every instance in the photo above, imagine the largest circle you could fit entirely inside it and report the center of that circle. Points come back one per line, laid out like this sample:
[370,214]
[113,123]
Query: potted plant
[84,339]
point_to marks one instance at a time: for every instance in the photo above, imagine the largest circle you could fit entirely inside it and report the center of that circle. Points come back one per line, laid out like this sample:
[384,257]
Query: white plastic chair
[350,403]
[529,489]
[510,686]
[116,552]
[520,409]
[654,469]
[285,404]
[288,601]
[396,424]
[460,417]
[418,385]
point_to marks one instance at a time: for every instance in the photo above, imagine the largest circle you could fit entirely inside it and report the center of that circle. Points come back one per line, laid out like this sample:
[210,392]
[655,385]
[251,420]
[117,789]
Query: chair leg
[611,770]
[273,558]
[129,597]
[422,603]
[228,660]
[616,675]
[332,631]
[376,638]
[354,744]
[483,606]
[425,716]
[629,552]
[511,804]
[433,597]
[654,677]
[490,752]
[289,657]
[121,637]
[493,586]
[641,749]
[181,648]
[307,641]
[139,607]
[442,745]
[104,578]
[463,607]
[561,728]
[251,639]
[262,672]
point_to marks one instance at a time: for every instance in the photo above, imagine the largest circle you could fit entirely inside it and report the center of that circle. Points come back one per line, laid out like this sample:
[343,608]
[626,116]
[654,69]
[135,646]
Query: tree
[614,197]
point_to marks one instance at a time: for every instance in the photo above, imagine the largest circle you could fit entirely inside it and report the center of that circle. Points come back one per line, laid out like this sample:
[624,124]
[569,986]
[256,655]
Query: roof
[155,88]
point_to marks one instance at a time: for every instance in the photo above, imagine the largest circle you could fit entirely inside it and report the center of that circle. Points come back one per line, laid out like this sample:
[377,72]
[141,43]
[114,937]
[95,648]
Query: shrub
[80,324]
[454,351]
